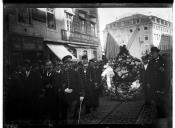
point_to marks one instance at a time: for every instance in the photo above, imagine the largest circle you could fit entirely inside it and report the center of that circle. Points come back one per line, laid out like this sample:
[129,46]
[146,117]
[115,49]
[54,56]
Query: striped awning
[60,51]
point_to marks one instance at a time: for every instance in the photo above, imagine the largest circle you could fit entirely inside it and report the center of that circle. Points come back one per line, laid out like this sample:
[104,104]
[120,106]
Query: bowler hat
[154,49]
[66,58]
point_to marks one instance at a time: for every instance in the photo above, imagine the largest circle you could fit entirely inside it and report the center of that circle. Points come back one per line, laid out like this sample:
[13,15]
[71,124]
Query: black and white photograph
[81,65]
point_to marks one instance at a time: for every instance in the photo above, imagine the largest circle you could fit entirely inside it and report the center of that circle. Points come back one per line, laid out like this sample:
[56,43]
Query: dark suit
[98,86]
[146,89]
[12,96]
[51,85]
[29,91]
[156,78]
[87,76]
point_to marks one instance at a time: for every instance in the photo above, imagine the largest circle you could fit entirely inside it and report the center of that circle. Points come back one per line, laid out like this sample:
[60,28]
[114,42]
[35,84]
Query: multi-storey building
[34,32]
[139,32]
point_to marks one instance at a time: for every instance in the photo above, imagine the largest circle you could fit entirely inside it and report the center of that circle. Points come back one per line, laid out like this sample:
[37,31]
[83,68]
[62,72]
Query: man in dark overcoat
[73,90]
[143,74]
[51,94]
[87,76]
[156,81]
[29,91]
[97,83]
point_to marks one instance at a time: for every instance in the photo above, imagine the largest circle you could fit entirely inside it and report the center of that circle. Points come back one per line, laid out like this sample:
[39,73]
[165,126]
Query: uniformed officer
[73,90]
[156,82]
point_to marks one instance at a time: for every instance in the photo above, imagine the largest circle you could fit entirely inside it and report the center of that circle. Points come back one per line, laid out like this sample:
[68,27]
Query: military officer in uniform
[73,90]
[156,81]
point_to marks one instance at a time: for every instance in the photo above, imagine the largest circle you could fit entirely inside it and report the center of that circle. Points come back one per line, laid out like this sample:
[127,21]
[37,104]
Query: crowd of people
[53,92]
[47,91]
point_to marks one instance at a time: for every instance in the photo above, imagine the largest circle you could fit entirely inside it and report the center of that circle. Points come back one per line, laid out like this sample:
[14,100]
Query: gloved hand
[67,90]
[81,98]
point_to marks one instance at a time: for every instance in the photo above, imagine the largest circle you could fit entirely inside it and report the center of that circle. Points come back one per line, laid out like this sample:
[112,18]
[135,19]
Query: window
[130,30]
[158,20]
[146,37]
[82,25]
[92,28]
[69,22]
[153,19]
[51,18]
[162,21]
[145,28]
[154,26]
[24,16]
[138,20]
[85,53]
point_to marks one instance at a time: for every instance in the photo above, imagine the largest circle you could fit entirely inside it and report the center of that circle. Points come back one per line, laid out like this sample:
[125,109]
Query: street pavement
[117,112]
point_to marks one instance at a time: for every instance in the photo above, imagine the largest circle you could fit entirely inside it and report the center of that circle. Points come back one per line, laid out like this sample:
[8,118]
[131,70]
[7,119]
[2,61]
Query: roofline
[136,14]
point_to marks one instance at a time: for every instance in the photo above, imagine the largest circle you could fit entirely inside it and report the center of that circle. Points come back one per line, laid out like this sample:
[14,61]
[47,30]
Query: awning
[60,51]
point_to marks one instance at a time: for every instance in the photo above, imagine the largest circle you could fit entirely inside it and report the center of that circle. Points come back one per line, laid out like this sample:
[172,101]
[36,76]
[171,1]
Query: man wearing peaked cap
[66,58]
[72,90]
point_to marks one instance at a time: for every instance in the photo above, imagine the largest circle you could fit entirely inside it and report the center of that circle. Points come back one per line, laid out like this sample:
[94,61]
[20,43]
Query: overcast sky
[108,15]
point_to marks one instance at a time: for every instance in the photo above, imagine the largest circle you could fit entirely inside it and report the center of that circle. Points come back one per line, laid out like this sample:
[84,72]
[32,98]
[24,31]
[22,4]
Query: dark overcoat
[29,91]
[52,91]
[87,76]
[156,78]
[71,79]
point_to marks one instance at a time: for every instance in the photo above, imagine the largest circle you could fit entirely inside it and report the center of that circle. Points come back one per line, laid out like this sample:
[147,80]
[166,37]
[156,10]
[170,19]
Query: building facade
[139,32]
[28,31]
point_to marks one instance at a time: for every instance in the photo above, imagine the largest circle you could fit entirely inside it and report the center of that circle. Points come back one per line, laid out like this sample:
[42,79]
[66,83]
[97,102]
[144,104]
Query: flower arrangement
[127,75]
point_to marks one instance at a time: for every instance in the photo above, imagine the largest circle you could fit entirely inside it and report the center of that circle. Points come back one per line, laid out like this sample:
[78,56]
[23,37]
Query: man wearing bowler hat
[156,82]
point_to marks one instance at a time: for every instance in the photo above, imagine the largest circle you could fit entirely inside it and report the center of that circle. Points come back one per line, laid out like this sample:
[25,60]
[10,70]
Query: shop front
[22,47]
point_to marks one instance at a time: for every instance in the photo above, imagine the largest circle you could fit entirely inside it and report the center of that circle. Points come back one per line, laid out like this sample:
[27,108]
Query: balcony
[77,37]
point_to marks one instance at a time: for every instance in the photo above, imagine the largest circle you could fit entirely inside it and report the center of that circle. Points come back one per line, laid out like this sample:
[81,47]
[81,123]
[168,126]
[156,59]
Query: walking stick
[79,113]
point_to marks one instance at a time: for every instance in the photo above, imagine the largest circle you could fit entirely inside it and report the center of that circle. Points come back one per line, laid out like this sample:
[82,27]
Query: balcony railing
[77,37]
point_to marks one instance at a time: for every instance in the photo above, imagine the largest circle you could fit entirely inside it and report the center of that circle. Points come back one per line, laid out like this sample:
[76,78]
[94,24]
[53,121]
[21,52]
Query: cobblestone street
[117,112]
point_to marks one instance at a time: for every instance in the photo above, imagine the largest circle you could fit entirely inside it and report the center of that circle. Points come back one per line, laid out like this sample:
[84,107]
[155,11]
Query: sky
[108,15]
